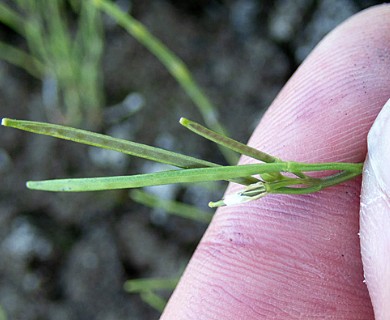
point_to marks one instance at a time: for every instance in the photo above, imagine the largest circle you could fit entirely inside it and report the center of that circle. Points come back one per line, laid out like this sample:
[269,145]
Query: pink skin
[298,257]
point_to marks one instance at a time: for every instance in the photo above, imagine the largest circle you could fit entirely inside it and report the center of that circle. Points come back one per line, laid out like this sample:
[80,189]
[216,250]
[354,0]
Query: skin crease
[298,257]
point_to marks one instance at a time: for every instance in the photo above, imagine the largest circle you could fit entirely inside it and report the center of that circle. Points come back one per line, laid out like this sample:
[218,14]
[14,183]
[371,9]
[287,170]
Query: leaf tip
[128,286]
[4,122]
[30,185]
[217,204]
[184,121]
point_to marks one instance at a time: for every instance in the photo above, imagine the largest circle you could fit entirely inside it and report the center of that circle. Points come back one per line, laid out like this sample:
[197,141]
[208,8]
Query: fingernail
[379,148]
[374,214]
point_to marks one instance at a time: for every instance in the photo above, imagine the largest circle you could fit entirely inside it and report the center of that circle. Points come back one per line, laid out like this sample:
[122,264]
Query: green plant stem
[321,184]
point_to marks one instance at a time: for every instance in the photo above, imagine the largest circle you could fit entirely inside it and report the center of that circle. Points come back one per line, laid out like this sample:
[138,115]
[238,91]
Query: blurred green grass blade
[12,19]
[107,142]
[57,35]
[174,65]
[64,66]
[69,55]
[172,207]
[146,288]
[34,31]
[150,284]
[90,32]
[21,59]
[154,300]
[3,315]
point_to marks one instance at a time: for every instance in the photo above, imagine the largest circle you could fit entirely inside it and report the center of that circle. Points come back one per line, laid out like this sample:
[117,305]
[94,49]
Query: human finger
[289,257]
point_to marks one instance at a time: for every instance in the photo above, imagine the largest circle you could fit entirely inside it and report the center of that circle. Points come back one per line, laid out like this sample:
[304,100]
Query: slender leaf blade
[183,176]
[227,142]
[107,142]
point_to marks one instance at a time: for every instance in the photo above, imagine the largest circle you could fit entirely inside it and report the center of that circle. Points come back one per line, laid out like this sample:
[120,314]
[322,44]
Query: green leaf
[184,176]
[227,142]
[110,143]
[107,142]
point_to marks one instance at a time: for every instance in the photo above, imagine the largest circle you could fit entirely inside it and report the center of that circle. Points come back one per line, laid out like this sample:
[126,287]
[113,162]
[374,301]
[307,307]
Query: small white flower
[252,192]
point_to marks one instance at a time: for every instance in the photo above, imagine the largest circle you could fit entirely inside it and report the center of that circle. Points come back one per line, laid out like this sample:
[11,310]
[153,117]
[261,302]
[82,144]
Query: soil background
[66,256]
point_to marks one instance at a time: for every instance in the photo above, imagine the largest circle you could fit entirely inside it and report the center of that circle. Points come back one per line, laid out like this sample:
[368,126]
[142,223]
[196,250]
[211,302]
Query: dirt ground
[66,256]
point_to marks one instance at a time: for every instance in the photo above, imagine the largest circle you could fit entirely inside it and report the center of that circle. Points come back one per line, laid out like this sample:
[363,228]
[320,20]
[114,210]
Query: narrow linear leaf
[184,176]
[110,143]
[107,142]
[227,142]
[235,146]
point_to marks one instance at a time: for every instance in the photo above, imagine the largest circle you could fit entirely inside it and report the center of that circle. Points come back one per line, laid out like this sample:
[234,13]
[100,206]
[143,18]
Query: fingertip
[245,266]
